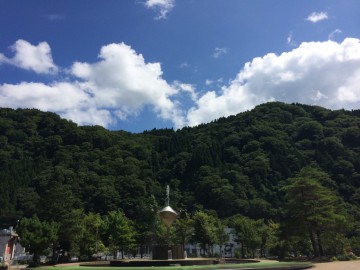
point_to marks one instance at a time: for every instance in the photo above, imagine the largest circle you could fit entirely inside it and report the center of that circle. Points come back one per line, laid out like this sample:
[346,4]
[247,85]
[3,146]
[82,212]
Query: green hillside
[252,164]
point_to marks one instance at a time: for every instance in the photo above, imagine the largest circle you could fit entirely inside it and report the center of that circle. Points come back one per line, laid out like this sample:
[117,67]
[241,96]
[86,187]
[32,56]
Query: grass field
[260,265]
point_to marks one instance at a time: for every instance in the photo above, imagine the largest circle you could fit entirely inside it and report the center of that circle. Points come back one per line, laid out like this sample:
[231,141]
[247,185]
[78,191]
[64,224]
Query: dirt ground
[347,265]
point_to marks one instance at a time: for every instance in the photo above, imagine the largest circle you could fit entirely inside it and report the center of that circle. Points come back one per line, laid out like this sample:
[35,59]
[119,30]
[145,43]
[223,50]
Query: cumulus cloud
[117,86]
[218,52]
[123,81]
[315,17]
[162,7]
[187,88]
[70,100]
[30,57]
[41,96]
[322,73]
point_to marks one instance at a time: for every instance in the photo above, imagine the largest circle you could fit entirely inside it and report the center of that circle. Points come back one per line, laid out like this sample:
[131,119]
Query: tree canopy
[251,164]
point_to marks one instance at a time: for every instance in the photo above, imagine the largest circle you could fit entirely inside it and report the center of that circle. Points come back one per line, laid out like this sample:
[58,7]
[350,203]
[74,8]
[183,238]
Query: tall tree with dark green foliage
[312,210]
[248,234]
[183,228]
[119,231]
[205,233]
[37,236]
[90,243]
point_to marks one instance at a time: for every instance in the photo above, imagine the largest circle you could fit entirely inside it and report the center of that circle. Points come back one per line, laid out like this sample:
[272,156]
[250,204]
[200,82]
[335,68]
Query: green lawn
[198,267]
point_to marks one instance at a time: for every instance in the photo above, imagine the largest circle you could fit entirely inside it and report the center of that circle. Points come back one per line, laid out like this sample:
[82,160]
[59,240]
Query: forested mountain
[234,165]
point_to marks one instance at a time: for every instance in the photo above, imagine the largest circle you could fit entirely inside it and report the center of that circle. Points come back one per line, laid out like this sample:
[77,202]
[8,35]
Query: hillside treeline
[295,168]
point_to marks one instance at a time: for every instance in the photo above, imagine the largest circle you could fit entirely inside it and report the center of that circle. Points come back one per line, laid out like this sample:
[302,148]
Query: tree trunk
[262,250]
[313,243]
[36,259]
[55,255]
[318,235]
[242,251]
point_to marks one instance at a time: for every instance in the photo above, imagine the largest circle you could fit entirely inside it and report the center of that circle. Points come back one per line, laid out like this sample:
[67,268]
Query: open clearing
[347,265]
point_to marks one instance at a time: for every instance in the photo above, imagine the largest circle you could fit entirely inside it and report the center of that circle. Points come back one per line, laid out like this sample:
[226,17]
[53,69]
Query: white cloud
[322,73]
[332,35]
[119,85]
[57,97]
[219,52]
[290,40]
[35,58]
[162,7]
[210,82]
[188,88]
[70,100]
[315,17]
[122,81]
[2,58]
[90,116]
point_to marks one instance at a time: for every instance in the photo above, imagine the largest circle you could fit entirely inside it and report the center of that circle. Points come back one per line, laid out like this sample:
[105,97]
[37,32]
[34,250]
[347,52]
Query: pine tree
[311,210]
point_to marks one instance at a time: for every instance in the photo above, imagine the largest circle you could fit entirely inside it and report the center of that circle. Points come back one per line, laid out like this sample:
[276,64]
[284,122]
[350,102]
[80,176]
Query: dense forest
[289,169]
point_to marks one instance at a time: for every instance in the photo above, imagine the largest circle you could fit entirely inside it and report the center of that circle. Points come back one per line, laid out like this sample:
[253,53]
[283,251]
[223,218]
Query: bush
[4,266]
[343,258]
[237,254]
[355,245]
[347,257]
[216,255]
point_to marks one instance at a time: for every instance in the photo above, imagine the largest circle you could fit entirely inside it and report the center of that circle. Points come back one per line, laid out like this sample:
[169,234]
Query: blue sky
[141,64]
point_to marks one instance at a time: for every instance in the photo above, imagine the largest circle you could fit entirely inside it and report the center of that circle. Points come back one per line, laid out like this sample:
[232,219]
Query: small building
[8,240]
